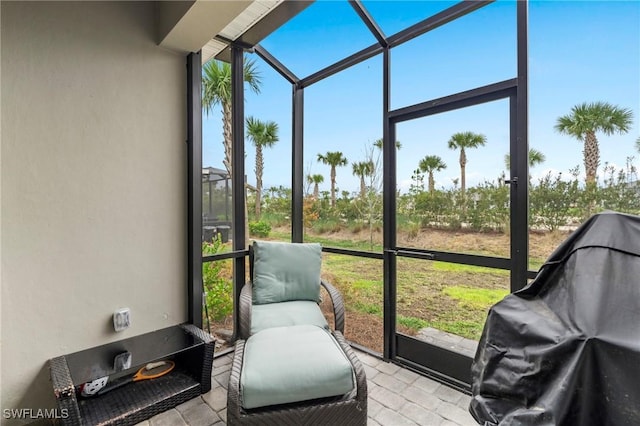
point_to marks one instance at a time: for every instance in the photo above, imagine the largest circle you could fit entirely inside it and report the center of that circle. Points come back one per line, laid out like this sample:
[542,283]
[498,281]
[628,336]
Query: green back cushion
[292,364]
[286,271]
[297,312]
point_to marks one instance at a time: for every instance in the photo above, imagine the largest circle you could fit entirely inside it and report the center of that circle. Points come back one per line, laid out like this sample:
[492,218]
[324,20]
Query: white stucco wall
[93,183]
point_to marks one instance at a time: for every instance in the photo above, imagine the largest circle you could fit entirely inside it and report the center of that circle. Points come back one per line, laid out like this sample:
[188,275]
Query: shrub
[488,207]
[310,211]
[259,229]
[217,288]
[551,201]
[276,219]
[436,209]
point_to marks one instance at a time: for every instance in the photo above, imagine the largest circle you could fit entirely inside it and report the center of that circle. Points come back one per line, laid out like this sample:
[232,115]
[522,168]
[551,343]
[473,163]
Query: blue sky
[578,52]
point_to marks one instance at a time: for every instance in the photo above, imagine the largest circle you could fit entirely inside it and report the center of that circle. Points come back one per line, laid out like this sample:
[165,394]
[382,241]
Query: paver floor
[397,396]
[448,341]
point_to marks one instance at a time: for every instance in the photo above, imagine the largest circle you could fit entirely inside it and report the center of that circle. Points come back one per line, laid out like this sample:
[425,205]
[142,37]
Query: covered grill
[565,350]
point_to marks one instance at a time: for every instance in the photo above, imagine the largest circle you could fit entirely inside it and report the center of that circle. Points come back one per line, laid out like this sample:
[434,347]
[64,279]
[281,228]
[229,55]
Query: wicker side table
[188,346]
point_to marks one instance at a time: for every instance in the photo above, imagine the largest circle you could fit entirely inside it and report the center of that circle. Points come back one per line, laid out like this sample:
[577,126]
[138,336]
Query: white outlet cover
[121,319]
[122,361]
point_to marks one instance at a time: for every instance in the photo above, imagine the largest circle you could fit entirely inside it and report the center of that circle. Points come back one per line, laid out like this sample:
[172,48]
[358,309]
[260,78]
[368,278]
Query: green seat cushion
[298,312]
[293,364]
[285,271]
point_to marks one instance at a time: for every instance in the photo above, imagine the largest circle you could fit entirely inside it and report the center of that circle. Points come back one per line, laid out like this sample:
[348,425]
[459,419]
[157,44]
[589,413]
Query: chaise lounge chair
[289,367]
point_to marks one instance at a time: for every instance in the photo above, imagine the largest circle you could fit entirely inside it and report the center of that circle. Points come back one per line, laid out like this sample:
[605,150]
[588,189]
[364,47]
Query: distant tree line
[555,200]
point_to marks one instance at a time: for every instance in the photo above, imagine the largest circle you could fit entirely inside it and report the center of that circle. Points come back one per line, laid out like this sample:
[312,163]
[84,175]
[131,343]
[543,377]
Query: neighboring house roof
[212,174]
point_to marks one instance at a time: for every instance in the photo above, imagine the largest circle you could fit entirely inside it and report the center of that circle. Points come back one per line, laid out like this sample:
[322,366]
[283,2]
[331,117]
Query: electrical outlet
[122,362]
[122,319]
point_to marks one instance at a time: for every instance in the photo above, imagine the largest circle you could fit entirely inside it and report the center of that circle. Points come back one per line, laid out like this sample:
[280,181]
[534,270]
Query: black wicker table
[189,347]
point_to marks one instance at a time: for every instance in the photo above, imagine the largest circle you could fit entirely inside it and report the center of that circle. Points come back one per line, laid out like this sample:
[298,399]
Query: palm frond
[595,117]
[261,133]
[431,163]
[463,140]
[334,159]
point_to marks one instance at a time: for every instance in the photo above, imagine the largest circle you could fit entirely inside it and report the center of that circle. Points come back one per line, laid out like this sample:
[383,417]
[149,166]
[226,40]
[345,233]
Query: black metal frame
[237,171]
[442,364]
[297,167]
[389,186]
[194,189]
[520,164]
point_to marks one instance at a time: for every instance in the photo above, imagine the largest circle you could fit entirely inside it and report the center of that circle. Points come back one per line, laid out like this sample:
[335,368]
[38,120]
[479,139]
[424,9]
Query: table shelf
[188,346]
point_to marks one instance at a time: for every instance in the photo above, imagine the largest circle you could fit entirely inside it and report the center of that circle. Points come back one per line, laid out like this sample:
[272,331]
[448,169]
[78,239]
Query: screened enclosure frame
[444,365]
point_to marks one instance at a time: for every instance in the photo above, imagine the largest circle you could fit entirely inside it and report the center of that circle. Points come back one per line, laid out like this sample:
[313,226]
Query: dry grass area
[541,244]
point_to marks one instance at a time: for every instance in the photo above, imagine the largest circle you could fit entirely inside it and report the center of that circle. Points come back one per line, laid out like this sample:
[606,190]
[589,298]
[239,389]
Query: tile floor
[397,397]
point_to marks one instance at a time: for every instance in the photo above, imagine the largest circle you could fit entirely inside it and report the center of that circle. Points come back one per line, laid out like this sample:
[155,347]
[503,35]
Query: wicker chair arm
[234,396]
[358,369]
[338,305]
[246,300]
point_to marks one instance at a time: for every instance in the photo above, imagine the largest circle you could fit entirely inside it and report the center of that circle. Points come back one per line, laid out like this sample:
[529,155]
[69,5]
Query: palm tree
[638,144]
[588,118]
[463,141]
[216,89]
[362,169]
[333,159]
[430,164]
[262,135]
[535,157]
[272,190]
[315,180]
[378,144]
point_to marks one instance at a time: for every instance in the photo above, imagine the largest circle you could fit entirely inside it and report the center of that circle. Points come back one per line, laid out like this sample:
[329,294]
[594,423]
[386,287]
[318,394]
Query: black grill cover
[565,350]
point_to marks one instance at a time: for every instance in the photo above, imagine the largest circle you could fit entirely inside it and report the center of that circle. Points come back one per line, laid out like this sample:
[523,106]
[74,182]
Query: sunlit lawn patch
[430,294]
[475,297]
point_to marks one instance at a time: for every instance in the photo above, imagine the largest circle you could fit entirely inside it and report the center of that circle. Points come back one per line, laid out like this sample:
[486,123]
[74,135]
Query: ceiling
[211,26]
[257,10]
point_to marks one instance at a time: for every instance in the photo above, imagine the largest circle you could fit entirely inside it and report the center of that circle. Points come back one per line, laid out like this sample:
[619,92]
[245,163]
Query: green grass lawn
[451,297]
[430,294]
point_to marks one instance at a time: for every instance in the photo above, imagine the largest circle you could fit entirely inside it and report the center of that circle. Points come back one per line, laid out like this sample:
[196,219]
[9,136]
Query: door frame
[442,364]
